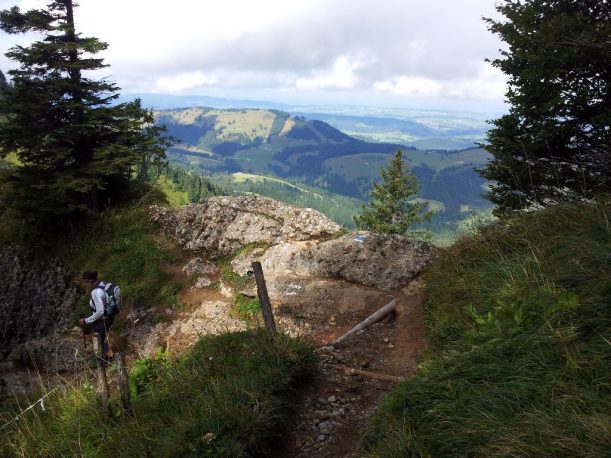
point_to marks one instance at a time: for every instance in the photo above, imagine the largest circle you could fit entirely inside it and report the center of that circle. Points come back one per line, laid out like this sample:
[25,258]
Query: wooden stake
[102,382]
[123,380]
[266,306]
[389,308]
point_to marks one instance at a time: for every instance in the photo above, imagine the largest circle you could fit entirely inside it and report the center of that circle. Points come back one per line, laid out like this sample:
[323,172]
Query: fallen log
[382,313]
[353,371]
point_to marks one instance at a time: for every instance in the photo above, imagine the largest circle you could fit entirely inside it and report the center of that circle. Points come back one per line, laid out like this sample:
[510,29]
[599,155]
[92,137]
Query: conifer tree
[3,82]
[390,210]
[78,150]
[554,145]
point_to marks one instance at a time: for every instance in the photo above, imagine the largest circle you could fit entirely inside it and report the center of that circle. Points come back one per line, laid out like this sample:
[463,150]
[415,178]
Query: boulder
[221,225]
[54,353]
[382,261]
[198,266]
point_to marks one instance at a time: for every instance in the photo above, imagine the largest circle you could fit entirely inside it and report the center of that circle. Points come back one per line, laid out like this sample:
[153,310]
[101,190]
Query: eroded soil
[333,412]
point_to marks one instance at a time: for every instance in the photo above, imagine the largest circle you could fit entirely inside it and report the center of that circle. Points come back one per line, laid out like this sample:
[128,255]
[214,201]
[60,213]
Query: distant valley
[311,157]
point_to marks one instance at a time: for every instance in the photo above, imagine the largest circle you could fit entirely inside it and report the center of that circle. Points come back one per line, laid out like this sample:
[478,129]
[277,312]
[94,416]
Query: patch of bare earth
[333,412]
[202,311]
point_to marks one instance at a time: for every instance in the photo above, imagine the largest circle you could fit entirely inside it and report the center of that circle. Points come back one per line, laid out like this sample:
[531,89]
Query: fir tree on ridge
[390,210]
[79,150]
[554,145]
[4,85]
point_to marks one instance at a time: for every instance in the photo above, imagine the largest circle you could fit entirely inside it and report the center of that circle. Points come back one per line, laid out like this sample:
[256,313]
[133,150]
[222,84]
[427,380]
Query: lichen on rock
[199,266]
[221,225]
[383,261]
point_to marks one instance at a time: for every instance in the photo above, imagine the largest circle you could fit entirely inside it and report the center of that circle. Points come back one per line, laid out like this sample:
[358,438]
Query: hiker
[99,321]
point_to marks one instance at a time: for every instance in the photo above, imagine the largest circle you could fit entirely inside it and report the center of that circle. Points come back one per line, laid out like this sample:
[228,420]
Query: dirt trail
[334,410]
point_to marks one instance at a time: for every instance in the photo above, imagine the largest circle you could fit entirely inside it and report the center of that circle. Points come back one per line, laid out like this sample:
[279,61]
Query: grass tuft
[227,397]
[519,345]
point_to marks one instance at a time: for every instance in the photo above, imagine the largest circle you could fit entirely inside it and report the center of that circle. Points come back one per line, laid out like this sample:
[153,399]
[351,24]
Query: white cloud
[341,76]
[185,81]
[488,84]
[411,48]
[410,86]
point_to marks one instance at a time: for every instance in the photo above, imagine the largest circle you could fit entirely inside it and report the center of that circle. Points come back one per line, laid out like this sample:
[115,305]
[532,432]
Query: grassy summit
[520,354]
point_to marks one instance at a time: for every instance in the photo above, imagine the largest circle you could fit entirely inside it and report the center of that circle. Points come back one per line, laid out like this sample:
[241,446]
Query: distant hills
[272,142]
[262,141]
[427,130]
[422,128]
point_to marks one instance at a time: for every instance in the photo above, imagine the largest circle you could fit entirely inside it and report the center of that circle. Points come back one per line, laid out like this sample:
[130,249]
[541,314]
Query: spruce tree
[390,210]
[554,145]
[3,82]
[78,148]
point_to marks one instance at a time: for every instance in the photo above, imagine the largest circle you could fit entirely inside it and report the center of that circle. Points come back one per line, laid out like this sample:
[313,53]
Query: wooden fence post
[123,380]
[266,306]
[102,383]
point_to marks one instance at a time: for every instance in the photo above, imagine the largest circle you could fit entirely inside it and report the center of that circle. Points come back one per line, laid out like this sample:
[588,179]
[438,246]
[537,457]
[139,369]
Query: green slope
[229,396]
[275,144]
[520,355]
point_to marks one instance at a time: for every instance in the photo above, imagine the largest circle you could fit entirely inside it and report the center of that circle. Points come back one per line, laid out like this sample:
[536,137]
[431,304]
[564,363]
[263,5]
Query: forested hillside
[313,154]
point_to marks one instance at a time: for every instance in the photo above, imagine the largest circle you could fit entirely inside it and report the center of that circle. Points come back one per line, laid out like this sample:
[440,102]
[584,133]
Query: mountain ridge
[269,142]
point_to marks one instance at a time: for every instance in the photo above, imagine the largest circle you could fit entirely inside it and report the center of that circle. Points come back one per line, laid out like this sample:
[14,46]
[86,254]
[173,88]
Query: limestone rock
[209,318]
[220,225]
[36,298]
[242,264]
[197,266]
[385,262]
[203,282]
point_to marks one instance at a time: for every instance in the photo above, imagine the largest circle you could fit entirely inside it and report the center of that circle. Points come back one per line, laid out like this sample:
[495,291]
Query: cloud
[341,76]
[411,48]
[185,81]
[488,83]
[410,86]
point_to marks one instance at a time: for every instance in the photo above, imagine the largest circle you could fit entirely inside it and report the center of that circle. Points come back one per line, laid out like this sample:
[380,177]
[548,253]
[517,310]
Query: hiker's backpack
[113,302]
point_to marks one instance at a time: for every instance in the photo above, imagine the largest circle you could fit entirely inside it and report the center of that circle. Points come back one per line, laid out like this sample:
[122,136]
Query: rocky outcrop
[382,261]
[337,280]
[221,225]
[36,298]
[208,318]
[312,274]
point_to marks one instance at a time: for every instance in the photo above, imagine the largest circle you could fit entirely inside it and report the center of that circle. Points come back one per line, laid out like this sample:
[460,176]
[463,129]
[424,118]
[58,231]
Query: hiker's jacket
[97,302]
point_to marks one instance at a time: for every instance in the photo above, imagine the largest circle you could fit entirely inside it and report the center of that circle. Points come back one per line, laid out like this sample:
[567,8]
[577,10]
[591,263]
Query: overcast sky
[401,53]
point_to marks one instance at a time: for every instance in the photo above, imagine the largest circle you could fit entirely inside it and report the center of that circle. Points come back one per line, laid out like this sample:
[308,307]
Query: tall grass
[122,246]
[120,243]
[227,397]
[520,352]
